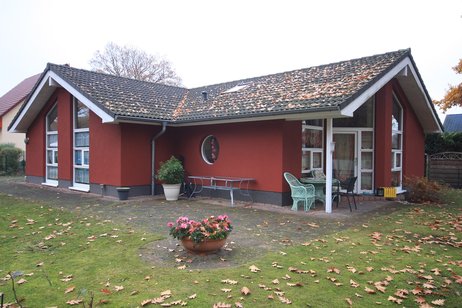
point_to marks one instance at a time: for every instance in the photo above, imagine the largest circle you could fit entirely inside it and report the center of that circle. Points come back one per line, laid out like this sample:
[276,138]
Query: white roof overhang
[40,96]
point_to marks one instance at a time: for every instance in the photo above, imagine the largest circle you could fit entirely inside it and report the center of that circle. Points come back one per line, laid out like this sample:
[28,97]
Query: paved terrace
[258,228]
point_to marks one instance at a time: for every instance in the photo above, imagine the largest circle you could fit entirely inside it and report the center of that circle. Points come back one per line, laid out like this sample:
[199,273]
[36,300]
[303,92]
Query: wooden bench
[221,183]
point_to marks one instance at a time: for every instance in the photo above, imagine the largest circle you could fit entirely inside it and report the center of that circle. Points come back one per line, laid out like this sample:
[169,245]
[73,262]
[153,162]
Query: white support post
[329,154]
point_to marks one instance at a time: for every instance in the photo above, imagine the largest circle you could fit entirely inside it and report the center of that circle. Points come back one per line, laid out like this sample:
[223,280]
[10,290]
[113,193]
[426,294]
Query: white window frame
[397,154]
[76,185]
[54,150]
[312,151]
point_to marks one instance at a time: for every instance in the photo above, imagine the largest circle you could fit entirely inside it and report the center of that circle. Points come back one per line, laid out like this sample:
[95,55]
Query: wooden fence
[446,168]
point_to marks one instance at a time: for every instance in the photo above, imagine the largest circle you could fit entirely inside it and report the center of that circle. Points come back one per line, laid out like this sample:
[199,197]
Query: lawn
[51,257]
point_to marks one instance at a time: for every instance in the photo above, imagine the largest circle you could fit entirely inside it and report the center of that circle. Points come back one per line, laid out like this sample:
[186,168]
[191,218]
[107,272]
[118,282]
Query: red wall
[413,138]
[253,149]
[35,165]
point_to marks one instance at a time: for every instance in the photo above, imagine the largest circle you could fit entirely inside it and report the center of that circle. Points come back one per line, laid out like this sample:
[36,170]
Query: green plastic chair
[300,192]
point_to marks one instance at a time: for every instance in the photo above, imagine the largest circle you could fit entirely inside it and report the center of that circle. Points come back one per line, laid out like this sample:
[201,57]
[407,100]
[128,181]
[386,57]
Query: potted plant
[204,236]
[171,174]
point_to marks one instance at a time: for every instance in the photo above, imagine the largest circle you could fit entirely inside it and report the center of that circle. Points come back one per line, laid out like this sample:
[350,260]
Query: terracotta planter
[204,247]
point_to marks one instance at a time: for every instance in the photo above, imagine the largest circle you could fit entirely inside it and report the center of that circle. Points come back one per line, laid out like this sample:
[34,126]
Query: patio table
[319,184]
[222,183]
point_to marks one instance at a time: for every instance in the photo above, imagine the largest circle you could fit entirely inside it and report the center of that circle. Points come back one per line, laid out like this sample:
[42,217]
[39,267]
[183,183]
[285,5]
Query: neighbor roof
[453,123]
[17,94]
[331,90]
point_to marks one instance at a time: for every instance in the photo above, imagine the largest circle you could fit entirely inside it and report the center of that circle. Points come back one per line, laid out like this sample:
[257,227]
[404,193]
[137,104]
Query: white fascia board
[105,117]
[428,101]
[29,103]
[355,104]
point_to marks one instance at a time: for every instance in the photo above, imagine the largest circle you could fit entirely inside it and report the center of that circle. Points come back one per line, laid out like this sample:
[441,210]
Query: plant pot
[123,192]
[171,191]
[205,247]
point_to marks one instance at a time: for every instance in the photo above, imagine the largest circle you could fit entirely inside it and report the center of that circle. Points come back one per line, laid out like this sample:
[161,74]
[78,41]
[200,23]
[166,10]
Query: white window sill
[50,184]
[83,189]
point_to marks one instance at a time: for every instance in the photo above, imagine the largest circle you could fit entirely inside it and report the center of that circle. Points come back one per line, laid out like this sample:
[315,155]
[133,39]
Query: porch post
[329,153]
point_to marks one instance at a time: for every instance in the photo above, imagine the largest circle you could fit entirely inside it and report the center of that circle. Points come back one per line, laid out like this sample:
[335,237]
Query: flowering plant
[213,228]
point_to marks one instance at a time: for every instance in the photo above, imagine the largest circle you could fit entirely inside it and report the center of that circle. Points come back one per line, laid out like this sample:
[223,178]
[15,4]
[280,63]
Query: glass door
[345,156]
[354,156]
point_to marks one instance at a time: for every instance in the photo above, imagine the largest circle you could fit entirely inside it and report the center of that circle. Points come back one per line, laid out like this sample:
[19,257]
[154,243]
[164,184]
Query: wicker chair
[300,192]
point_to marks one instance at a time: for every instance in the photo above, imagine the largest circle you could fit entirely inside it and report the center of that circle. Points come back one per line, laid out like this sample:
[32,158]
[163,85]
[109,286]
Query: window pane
[56,156]
[52,173]
[312,138]
[396,178]
[317,160]
[306,161]
[82,114]
[210,149]
[366,140]
[82,139]
[362,117]
[49,157]
[396,141]
[396,116]
[314,122]
[81,176]
[366,181]
[52,141]
[78,157]
[366,160]
[86,158]
[52,120]
[398,160]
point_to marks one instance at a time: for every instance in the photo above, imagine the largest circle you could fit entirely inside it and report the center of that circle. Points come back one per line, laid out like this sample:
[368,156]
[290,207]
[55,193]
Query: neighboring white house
[9,106]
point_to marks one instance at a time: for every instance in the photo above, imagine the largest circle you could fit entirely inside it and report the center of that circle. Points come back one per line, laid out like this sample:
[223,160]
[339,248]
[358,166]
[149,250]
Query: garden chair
[300,192]
[349,185]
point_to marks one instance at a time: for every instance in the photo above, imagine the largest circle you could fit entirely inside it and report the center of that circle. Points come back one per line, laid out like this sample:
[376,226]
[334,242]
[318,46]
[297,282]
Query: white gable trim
[105,117]
[361,99]
[51,79]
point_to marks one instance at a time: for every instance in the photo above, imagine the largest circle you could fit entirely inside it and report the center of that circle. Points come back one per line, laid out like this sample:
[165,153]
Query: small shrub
[171,171]
[422,190]
[9,159]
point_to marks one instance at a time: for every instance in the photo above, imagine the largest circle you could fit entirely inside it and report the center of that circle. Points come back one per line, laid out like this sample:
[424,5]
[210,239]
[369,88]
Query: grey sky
[215,41]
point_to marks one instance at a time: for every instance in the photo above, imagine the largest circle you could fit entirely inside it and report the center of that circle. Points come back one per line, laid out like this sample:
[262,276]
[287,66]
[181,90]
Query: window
[312,146]
[396,143]
[363,117]
[52,147]
[210,149]
[81,146]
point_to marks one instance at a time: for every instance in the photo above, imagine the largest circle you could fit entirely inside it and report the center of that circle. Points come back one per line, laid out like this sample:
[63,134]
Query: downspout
[153,157]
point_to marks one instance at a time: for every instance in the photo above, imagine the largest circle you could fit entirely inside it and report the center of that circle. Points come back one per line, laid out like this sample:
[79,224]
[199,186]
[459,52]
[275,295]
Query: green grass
[418,249]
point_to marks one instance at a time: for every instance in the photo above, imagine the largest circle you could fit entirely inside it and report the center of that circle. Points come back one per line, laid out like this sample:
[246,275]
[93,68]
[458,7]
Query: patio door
[353,156]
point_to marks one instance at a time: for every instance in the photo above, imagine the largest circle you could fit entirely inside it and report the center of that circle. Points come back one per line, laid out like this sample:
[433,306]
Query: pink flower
[183,226]
[170,224]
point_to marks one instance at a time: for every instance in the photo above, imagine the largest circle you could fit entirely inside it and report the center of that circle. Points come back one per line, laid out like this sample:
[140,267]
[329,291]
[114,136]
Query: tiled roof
[321,88]
[453,123]
[123,97]
[17,94]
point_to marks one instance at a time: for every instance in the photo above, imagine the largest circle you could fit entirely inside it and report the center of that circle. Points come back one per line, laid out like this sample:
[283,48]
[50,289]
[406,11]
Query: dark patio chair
[349,185]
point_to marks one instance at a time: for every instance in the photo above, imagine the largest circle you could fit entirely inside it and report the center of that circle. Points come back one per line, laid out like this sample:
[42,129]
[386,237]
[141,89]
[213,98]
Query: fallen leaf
[21,281]
[349,301]
[254,269]
[394,299]
[245,291]
[353,283]
[73,302]
[226,290]
[118,288]
[438,302]
[69,290]
[193,296]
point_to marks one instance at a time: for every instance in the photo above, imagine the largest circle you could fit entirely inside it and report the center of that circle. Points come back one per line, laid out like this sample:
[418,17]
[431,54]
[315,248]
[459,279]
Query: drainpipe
[153,157]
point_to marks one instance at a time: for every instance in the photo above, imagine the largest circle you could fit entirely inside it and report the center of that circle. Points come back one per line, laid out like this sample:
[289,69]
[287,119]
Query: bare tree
[134,63]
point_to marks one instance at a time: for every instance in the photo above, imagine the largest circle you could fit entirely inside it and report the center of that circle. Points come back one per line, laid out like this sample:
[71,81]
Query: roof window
[236,88]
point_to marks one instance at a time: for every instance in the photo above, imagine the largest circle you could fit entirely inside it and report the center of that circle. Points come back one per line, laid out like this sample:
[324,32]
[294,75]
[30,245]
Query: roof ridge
[49,64]
[403,51]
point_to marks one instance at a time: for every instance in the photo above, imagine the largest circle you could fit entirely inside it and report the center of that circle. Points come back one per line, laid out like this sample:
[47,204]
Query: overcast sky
[215,41]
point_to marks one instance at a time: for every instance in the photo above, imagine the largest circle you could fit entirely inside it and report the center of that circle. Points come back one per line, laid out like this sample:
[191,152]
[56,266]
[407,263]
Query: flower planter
[123,192]
[171,191]
[205,247]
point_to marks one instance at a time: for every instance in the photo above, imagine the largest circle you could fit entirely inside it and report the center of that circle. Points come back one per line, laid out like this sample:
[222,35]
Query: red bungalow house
[365,117]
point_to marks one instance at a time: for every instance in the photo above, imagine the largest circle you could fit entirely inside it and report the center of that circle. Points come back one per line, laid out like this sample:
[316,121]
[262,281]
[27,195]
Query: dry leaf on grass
[245,291]
[69,290]
[254,269]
